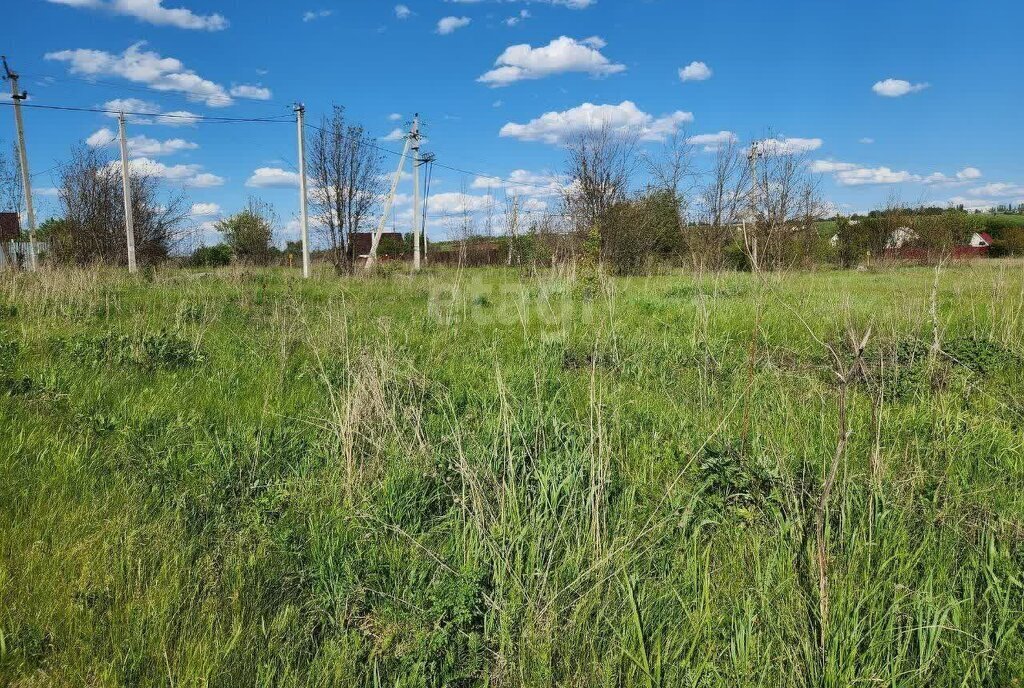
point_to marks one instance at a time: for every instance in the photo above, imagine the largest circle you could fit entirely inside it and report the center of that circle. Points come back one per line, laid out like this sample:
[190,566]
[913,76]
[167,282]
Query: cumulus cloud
[177,118]
[458,203]
[272,177]
[251,91]
[144,112]
[144,67]
[205,210]
[971,203]
[140,145]
[998,190]
[859,176]
[524,183]
[153,12]
[187,175]
[894,88]
[695,71]
[561,55]
[712,142]
[852,174]
[626,117]
[867,140]
[402,11]
[449,25]
[395,134]
[830,166]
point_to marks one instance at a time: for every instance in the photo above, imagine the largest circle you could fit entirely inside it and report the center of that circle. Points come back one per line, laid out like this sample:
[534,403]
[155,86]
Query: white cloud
[626,117]
[561,55]
[178,118]
[894,88]
[251,91]
[853,174]
[153,12]
[402,11]
[860,176]
[449,25]
[457,203]
[517,18]
[187,175]
[395,134]
[712,142]
[144,67]
[867,140]
[998,190]
[141,109]
[971,203]
[788,146]
[523,183]
[146,112]
[272,177]
[695,71]
[141,145]
[831,166]
[205,210]
[313,15]
[395,116]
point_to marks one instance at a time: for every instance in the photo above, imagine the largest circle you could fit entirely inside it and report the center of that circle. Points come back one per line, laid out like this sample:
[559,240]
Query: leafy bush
[216,256]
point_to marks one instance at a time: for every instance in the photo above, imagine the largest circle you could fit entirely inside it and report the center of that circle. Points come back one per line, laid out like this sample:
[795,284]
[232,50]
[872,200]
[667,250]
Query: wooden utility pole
[300,119]
[26,177]
[126,186]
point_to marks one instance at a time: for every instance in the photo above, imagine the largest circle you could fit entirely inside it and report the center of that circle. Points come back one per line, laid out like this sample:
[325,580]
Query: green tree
[250,231]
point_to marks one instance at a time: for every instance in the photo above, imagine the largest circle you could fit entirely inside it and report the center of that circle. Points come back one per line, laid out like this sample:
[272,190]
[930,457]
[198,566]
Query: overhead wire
[281,119]
[208,119]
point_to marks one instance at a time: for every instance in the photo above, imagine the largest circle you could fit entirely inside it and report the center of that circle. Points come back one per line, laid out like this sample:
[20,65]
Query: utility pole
[126,185]
[26,178]
[414,137]
[372,258]
[300,119]
[752,157]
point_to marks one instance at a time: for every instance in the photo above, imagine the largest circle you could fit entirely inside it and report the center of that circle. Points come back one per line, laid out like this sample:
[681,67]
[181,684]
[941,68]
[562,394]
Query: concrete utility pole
[372,258]
[300,119]
[26,177]
[126,185]
[755,153]
[414,137]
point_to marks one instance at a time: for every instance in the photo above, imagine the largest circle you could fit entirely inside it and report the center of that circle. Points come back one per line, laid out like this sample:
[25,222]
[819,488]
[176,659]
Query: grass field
[494,478]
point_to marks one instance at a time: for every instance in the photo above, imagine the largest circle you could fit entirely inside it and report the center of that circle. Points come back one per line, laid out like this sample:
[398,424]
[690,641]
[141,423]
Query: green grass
[490,478]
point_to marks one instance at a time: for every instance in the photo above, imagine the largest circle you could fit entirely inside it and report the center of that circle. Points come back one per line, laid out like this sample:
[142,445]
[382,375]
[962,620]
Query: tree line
[621,204]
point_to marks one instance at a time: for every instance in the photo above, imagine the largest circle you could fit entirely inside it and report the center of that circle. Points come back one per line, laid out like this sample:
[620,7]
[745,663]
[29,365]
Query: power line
[510,182]
[208,119]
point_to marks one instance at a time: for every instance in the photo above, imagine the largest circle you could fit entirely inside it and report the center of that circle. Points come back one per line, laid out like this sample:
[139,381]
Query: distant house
[981,240]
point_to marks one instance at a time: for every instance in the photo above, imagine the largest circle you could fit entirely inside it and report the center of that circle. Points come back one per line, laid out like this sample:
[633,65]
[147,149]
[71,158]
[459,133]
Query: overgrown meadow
[512,478]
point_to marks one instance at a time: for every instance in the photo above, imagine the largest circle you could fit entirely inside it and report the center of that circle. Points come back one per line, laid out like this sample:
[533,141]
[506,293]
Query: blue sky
[916,98]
